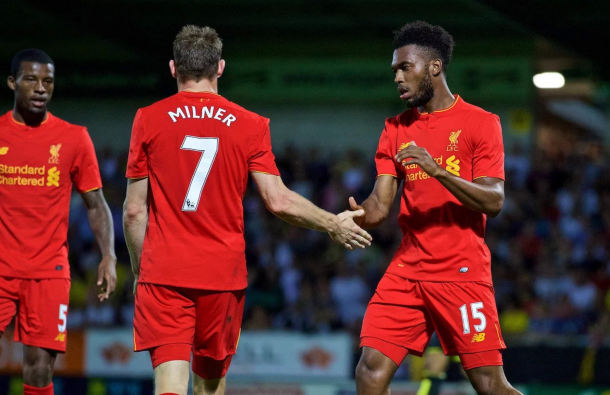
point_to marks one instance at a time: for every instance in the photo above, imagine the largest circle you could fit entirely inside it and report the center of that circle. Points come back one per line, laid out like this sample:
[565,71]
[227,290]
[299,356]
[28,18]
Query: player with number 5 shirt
[449,156]
[189,161]
[41,158]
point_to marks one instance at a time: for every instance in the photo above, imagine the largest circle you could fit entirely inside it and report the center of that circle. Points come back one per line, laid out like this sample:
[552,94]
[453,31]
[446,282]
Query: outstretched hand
[106,272]
[348,233]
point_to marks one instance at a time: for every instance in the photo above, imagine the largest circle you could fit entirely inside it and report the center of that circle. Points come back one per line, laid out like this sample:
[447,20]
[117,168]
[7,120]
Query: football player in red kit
[189,162]
[41,157]
[449,155]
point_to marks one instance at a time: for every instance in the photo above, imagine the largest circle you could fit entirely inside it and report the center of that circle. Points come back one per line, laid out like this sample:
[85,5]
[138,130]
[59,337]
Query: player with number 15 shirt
[176,143]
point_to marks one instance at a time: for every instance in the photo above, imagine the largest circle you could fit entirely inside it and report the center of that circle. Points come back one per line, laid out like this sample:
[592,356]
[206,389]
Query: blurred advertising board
[276,354]
[109,353]
[69,364]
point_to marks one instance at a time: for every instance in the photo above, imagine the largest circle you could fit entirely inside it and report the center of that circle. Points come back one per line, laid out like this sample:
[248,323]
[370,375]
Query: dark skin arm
[377,206]
[101,223]
[485,195]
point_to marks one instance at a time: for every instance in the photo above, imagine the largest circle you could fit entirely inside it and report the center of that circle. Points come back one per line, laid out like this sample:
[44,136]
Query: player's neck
[443,98]
[28,118]
[198,86]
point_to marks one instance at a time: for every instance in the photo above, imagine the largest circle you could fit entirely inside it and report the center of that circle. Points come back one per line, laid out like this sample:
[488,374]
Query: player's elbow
[493,209]
[278,204]
[133,213]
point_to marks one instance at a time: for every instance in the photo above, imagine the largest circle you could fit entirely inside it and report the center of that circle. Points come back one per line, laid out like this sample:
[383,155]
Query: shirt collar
[445,111]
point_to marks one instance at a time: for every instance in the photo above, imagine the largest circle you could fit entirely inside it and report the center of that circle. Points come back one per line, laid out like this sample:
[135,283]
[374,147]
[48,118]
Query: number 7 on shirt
[208,146]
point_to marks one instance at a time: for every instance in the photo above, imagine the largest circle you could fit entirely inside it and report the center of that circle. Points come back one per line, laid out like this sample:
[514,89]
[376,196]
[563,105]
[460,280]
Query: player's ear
[10,81]
[172,68]
[436,67]
[221,67]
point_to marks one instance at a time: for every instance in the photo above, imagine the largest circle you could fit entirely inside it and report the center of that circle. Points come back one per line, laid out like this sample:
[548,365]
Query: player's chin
[37,110]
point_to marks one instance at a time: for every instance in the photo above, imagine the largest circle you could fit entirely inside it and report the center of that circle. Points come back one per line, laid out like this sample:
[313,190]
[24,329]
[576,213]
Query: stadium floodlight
[549,80]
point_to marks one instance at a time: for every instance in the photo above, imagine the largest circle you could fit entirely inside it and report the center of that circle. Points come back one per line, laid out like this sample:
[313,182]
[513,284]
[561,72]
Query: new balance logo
[61,337]
[478,337]
[3,150]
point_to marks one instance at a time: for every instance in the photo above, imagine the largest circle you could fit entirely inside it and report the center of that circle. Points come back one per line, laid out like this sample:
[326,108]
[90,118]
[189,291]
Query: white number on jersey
[208,146]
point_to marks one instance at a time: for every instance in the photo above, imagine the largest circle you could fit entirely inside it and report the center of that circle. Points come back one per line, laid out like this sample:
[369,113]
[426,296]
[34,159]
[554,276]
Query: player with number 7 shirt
[449,156]
[189,161]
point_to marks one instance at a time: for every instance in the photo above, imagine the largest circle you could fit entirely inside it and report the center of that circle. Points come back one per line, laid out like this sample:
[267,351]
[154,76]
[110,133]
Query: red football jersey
[197,148]
[37,168]
[442,239]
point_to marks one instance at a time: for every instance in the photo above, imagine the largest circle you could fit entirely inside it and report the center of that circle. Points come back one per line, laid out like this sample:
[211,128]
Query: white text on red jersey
[205,112]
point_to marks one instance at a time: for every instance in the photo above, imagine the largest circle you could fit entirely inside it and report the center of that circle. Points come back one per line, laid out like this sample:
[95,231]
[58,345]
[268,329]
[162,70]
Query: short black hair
[29,55]
[430,37]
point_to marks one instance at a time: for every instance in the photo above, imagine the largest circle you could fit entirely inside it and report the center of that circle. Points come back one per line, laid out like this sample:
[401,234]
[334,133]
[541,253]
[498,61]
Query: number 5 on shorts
[208,146]
[476,314]
[63,317]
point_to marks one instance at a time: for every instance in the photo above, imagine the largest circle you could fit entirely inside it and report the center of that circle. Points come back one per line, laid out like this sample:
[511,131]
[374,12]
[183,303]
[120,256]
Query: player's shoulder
[251,115]
[65,126]
[474,114]
[6,117]
[404,118]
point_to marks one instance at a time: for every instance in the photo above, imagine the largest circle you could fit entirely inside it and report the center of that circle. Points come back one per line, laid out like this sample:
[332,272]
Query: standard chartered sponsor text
[23,175]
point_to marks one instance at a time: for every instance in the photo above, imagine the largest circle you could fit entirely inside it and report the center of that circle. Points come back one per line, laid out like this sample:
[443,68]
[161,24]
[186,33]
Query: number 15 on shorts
[476,315]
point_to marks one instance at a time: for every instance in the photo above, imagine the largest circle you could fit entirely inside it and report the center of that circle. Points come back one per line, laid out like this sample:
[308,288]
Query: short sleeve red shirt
[197,149]
[442,239]
[38,166]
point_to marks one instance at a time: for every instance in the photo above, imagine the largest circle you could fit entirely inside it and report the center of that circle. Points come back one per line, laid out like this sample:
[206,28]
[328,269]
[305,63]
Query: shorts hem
[47,346]
[474,366]
[217,357]
[147,347]
[455,352]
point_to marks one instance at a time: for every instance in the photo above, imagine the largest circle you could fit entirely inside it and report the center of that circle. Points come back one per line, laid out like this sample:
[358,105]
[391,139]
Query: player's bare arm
[485,195]
[100,219]
[377,206]
[135,221]
[296,210]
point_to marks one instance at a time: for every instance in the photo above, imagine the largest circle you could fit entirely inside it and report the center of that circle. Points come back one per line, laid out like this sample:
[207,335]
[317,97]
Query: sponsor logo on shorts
[478,337]
[61,337]
[463,269]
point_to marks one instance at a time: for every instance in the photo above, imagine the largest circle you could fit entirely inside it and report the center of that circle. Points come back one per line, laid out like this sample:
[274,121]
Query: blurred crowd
[550,247]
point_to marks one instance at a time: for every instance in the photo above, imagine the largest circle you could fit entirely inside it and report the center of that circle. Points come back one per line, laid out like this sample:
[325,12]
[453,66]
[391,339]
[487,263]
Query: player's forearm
[376,212]
[100,220]
[135,221]
[487,199]
[296,210]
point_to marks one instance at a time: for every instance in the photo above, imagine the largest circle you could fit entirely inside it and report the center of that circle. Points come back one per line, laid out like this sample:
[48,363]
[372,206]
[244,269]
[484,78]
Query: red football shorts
[41,308]
[171,322]
[403,314]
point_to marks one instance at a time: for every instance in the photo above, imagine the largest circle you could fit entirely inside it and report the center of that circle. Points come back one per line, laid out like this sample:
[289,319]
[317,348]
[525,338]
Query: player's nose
[399,77]
[39,88]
